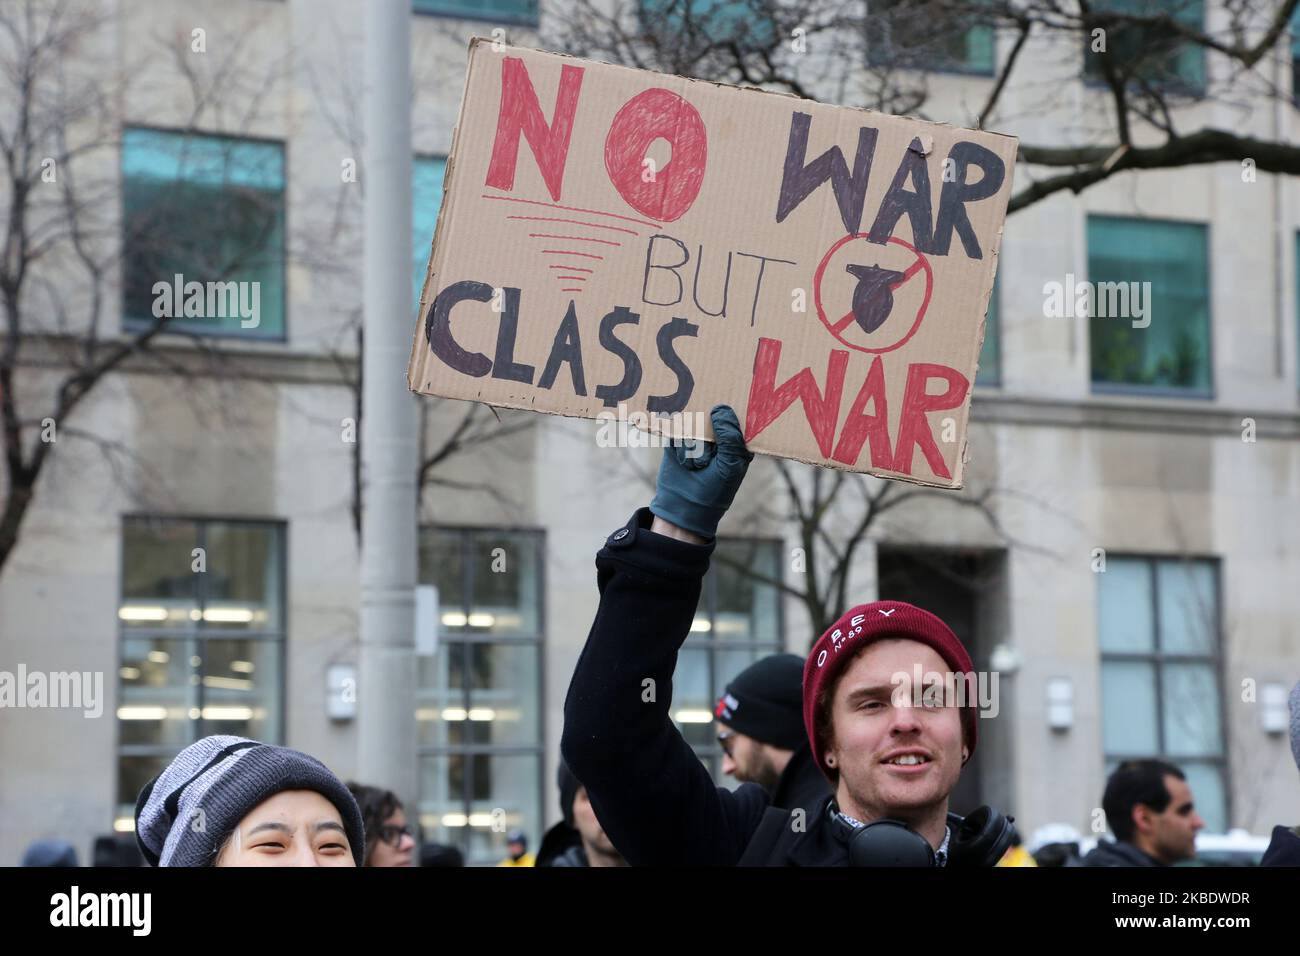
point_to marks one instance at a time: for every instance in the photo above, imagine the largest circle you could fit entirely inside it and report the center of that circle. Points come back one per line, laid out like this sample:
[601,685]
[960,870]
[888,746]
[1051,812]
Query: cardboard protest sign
[616,241]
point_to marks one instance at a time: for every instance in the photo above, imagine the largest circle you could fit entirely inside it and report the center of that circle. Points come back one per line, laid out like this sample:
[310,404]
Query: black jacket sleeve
[653,797]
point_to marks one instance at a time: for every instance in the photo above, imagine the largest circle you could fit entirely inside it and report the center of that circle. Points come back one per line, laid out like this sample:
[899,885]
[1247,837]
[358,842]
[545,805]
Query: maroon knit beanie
[873,622]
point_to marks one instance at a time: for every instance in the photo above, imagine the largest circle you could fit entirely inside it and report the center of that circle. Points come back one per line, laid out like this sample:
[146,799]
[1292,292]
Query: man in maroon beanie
[892,751]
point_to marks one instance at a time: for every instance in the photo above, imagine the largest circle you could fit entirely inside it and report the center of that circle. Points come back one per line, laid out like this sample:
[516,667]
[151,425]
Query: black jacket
[654,798]
[561,846]
[1284,850]
[1118,853]
[802,784]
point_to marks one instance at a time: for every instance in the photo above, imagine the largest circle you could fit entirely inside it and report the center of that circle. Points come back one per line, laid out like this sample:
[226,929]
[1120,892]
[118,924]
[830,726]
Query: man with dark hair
[893,762]
[1149,808]
[578,839]
[762,734]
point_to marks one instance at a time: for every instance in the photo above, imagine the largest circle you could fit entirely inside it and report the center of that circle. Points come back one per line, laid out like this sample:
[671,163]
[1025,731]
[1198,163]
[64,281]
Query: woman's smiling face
[291,828]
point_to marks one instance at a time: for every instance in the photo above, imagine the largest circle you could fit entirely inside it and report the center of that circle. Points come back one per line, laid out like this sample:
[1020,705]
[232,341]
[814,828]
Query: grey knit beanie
[185,814]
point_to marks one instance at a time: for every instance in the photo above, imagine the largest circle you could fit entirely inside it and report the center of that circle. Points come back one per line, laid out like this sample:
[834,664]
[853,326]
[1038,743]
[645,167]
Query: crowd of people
[834,767]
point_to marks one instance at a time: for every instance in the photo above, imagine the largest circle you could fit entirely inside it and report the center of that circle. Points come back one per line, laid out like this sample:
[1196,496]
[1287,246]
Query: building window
[749,24]
[1165,267]
[202,640]
[990,371]
[1160,670]
[1150,55]
[921,35]
[426,200]
[738,621]
[1295,56]
[209,209]
[498,11]
[1297,305]
[479,697]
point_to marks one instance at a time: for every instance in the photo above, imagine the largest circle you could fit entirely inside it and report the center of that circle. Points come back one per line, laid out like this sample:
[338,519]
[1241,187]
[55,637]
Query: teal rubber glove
[699,479]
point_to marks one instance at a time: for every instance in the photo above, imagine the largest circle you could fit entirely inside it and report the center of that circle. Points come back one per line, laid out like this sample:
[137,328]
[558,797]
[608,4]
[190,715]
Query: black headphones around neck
[978,839]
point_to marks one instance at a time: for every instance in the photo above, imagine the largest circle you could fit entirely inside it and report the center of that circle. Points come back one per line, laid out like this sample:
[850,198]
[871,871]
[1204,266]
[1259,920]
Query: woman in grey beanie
[229,801]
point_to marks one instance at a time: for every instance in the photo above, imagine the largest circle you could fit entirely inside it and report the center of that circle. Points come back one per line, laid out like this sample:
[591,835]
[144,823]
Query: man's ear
[1141,815]
[965,755]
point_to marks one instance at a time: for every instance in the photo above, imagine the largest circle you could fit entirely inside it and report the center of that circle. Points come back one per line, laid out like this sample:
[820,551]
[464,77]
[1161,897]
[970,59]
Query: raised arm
[650,792]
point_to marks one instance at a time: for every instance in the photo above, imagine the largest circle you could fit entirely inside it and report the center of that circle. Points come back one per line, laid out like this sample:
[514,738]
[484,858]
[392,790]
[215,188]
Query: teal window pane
[200,653]
[503,698]
[156,697]
[426,200]
[158,580]
[442,564]
[693,698]
[1124,607]
[1167,265]
[748,23]
[471,801]
[1295,55]
[1128,708]
[1190,708]
[478,697]
[1209,795]
[1188,608]
[516,11]
[980,48]
[440,695]
[211,210]
[990,371]
[1151,54]
[1161,697]
[737,622]
[506,595]
[912,34]
[243,578]
[745,607]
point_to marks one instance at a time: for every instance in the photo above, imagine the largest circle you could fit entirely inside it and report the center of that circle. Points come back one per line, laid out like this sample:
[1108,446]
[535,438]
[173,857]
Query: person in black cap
[762,733]
[578,839]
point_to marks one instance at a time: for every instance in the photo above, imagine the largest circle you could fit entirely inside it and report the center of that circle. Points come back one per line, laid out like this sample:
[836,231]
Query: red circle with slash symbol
[921,264]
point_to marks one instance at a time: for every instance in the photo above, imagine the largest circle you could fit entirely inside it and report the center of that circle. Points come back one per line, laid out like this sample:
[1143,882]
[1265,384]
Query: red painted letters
[520,112]
[653,114]
[767,402]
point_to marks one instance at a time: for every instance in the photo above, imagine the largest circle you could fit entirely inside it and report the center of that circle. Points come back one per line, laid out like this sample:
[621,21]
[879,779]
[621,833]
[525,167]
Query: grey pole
[386,685]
